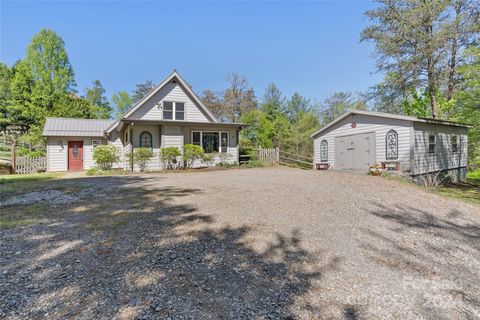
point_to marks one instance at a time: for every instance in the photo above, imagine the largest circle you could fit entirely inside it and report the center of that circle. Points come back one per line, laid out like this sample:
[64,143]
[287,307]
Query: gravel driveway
[245,243]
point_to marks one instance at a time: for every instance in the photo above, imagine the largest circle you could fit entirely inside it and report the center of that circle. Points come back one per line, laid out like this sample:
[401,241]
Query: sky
[312,48]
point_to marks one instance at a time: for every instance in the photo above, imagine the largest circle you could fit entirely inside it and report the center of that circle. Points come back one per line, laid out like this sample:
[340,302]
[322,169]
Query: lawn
[15,181]
[467,191]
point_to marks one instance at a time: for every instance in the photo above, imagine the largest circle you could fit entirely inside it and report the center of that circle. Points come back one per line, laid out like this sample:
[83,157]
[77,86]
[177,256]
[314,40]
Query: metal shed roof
[390,116]
[76,127]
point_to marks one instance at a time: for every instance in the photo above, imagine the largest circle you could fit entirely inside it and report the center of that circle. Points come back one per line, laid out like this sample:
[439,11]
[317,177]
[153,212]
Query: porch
[219,138]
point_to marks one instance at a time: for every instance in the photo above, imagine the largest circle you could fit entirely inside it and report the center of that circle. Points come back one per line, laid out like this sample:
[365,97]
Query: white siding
[115,140]
[170,92]
[364,124]
[443,158]
[154,130]
[57,152]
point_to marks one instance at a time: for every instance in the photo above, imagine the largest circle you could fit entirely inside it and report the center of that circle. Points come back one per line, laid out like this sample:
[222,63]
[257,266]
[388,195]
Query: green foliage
[419,46]
[467,106]
[474,175]
[6,75]
[338,103]
[254,164]
[191,152]
[122,103]
[169,156]
[26,152]
[140,157]
[39,86]
[105,156]
[92,171]
[209,158]
[95,96]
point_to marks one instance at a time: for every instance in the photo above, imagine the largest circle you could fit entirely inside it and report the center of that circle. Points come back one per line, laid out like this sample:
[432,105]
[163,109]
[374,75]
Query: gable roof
[388,116]
[75,127]
[173,75]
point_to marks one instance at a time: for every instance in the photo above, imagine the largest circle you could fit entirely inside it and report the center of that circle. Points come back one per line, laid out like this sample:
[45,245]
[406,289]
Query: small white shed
[360,139]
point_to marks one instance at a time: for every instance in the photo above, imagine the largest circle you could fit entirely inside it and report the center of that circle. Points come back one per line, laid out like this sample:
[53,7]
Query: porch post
[131,145]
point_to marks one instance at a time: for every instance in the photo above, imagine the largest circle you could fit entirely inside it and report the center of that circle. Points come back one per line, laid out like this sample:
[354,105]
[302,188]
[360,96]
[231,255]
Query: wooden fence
[30,165]
[275,156]
[267,156]
[291,159]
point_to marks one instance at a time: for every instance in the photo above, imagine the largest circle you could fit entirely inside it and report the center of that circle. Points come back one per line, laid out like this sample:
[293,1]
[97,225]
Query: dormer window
[173,110]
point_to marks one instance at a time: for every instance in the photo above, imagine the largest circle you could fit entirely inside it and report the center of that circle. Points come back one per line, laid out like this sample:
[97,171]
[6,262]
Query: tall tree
[22,111]
[238,98]
[122,102]
[6,76]
[306,123]
[95,96]
[273,101]
[414,40]
[51,68]
[467,106]
[142,89]
[214,103]
[338,103]
[297,105]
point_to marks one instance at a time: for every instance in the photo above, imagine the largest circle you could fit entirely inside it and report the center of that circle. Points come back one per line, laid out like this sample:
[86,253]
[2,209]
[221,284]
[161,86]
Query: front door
[75,155]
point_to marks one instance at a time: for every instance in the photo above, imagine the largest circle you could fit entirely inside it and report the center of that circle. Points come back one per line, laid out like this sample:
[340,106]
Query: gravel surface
[239,244]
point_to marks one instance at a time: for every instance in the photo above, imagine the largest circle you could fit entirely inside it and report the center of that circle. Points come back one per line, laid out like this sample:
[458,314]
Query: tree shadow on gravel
[146,251]
[443,251]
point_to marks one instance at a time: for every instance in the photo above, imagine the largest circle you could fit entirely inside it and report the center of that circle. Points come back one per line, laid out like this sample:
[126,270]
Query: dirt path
[257,243]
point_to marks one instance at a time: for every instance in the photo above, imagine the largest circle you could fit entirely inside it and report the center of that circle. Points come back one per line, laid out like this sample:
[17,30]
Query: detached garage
[360,139]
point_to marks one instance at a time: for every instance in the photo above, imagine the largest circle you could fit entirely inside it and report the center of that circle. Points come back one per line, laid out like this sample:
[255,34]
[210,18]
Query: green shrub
[169,156]
[36,154]
[191,152]
[105,156]
[5,148]
[140,157]
[209,158]
[5,167]
[254,164]
[92,171]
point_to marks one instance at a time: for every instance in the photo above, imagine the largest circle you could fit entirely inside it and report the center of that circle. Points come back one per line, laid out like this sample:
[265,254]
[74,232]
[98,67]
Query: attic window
[173,110]
[174,81]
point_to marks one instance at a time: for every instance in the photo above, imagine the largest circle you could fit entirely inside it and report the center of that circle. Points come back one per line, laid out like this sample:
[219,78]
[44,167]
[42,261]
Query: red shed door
[75,155]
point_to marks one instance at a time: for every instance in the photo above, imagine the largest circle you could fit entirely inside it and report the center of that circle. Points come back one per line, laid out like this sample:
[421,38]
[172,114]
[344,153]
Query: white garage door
[356,152]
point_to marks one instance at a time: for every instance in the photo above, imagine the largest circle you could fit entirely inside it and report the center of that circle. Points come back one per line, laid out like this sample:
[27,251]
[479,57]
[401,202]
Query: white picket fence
[25,165]
[268,156]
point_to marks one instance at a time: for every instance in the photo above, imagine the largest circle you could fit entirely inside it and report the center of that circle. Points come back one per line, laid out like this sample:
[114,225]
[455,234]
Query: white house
[171,115]
[359,139]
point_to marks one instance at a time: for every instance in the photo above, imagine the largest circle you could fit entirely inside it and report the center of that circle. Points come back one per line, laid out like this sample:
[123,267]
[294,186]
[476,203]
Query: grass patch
[13,182]
[474,176]
[13,178]
[467,191]
[24,216]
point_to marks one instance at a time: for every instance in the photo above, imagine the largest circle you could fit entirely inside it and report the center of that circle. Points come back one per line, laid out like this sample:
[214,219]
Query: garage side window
[324,150]
[391,145]
[454,144]
[145,139]
[432,143]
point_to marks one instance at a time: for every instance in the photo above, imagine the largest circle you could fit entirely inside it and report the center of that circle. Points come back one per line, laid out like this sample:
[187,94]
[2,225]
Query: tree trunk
[431,86]
[452,71]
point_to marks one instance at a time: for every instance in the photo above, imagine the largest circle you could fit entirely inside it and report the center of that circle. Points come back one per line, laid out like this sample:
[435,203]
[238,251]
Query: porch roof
[184,123]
